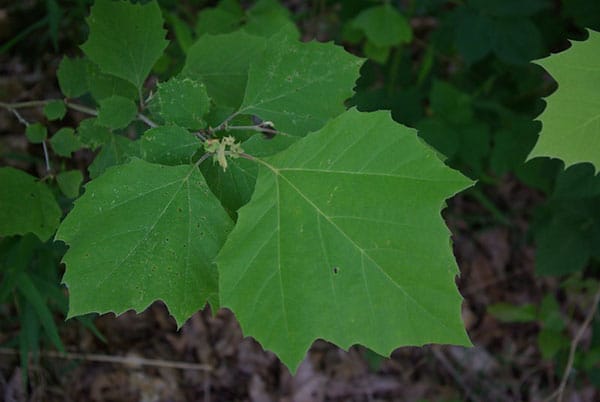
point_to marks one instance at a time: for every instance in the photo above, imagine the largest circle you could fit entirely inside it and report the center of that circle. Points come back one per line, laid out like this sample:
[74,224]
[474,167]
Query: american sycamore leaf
[221,63]
[343,240]
[125,39]
[571,121]
[169,145]
[143,232]
[182,101]
[26,205]
[116,151]
[299,86]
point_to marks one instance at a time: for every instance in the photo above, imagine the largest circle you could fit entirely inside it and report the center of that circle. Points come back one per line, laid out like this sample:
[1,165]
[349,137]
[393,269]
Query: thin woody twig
[127,360]
[559,393]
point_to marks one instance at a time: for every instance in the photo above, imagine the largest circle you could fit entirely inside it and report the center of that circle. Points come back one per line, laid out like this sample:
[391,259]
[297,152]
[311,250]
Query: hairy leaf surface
[336,243]
[125,39]
[183,102]
[299,86]
[143,232]
[571,121]
[221,63]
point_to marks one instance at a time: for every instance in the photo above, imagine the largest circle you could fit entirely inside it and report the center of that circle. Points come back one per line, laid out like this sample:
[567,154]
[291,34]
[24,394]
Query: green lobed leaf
[571,121]
[183,102]
[336,243]
[55,110]
[29,206]
[72,76]
[143,232]
[115,152]
[36,133]
[299,86]
[234,186]
[103,86]
[69,182]
[64,142]
[125,39]
[116,112]
[384,26]
[169,145]
[221,63]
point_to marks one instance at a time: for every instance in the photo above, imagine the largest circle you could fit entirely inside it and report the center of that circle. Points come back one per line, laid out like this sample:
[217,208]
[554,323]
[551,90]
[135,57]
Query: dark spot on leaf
[32,195]
[180,210]
[336,270]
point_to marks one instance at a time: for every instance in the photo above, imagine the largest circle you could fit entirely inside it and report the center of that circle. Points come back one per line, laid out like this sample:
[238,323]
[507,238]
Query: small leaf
[93,135]
[72,76]
[299,86]
[221,63]
[143,232]
[36,133]
[125,39]
[55,110]
[29,206]
[64,142]
[69,182]
[336,243]
[571,129]
[384,26]
[116,112]
[182,102]
[169,145]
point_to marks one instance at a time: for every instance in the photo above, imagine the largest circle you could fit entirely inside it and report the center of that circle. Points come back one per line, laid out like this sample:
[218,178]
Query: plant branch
[13,110]
[258,127]
[127,360]
[558,394]
[146,120]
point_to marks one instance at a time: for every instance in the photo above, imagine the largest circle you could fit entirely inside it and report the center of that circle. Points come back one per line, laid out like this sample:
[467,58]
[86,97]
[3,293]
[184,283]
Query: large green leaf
[143,232]
[26,205]
[571,121]
[299,86]
[343,240]
[125,39]
[221,63]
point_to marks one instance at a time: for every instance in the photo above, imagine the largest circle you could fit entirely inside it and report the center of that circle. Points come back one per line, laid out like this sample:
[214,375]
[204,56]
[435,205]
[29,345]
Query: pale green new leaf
[343,240]
[299,86]
[221,63]
[143,232]
[571,121]
[125,39]
[26,205]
